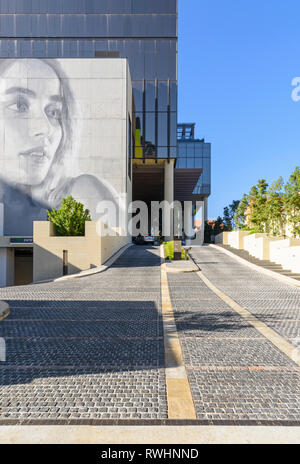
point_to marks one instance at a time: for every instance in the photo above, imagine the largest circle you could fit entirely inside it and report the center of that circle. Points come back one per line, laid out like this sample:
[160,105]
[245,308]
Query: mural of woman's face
[31,131]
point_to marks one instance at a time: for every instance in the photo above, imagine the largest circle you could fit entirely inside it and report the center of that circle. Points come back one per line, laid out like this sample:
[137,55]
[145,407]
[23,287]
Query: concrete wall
[258,245]
[287,253]
[69,136]
[236,239]
[110,244]
[86,252]
[222,238]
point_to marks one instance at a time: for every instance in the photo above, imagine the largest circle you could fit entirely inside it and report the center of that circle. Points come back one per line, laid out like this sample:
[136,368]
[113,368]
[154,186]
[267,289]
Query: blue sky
[236,63]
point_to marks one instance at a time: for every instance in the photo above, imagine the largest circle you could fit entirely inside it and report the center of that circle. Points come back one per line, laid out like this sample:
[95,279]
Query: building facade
[143,31]
[136,156]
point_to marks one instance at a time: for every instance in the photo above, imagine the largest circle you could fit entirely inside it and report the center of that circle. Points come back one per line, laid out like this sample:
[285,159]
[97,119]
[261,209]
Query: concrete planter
[222,238]
[80,253]
[258,245]
[287,253]
[236,238]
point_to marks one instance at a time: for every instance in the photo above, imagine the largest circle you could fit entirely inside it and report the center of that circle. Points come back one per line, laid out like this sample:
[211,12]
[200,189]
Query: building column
[188,222]
[7,268]
[2,267]
[169,197]
[199,239]
[1,219]
[205,209]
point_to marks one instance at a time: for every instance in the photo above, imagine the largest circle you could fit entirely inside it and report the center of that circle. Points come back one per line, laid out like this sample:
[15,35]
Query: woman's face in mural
[30,121]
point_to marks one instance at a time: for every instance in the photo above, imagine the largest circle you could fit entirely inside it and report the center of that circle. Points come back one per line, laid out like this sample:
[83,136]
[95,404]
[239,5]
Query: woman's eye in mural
[19,105]
[53,111]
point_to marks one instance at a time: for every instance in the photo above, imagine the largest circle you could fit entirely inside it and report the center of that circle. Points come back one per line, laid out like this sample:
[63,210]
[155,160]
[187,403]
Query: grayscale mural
[61,133]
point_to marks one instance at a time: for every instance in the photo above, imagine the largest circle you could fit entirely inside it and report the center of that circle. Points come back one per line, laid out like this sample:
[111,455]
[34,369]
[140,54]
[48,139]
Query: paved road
[87,348]
[234,372]
[92,348]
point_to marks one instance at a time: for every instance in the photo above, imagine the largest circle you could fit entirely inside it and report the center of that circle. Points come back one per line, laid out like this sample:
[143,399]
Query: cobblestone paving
[234,372]
[266,298]
[92,348]
[89,348]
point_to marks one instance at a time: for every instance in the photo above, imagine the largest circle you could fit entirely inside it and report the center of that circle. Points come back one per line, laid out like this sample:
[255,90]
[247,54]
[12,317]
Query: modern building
[195,154]
[87,31]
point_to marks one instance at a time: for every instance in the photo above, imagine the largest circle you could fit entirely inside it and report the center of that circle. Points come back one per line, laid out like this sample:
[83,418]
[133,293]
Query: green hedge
[169,250]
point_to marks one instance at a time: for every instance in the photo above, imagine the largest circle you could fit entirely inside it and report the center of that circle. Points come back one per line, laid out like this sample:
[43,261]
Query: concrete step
[287,273]
[266,264]
[274,268]
[260,261]
[271,266]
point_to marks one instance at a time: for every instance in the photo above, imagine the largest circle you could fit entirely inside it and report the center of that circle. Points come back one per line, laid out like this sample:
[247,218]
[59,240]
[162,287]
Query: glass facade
[144,31]
[194,153]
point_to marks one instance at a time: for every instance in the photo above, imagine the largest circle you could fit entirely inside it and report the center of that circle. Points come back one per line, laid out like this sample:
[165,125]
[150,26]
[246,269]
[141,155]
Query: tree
[227,219]
[240,212]
[213,227]
[228,215]
[270,209]
[291,200]
[275,208]
[69,219]
[257,213]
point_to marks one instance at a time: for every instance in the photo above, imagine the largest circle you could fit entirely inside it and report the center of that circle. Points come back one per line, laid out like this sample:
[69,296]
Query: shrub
[69,219]
[169,250]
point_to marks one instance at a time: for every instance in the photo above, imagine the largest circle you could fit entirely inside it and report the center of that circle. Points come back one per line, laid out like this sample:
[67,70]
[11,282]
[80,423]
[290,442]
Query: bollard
[65,262]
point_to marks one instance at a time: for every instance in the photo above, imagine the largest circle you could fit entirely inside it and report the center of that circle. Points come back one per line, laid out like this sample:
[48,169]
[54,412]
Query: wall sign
[21,240]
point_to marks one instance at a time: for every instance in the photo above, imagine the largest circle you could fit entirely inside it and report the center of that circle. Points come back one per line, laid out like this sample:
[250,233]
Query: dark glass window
[173,129]
[21,6]
[162,129]
[173,96]
[7,6]
[181,163]
[7,25]
[54,28]
[23,25]
[199,149]
[53,6]
[86,48]
[150,125]
[150,96]
[162,95]
[24,48]
[198,163]
[39,48]
[196,159]
[70,48]
[54,48]
[154,6]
